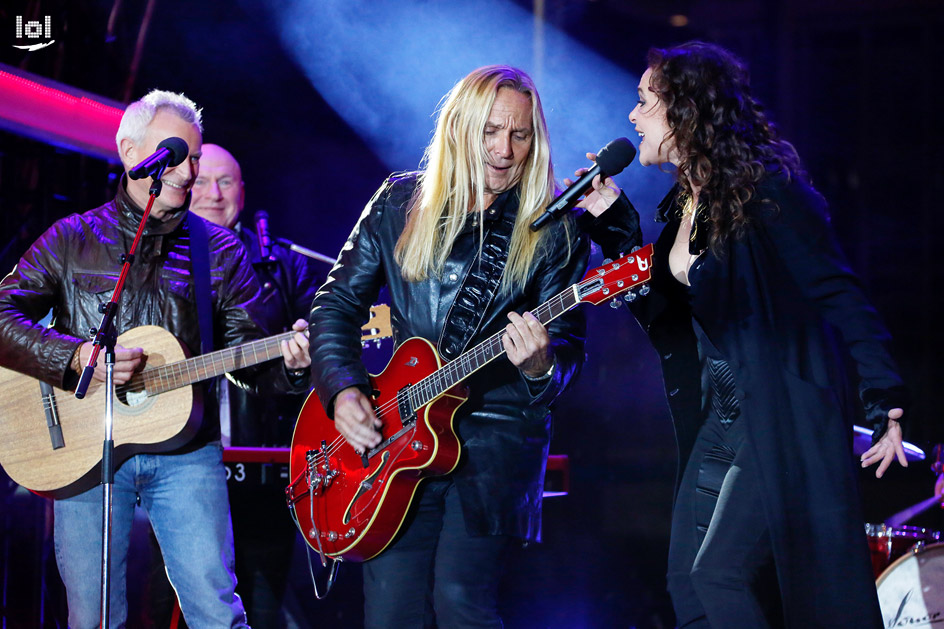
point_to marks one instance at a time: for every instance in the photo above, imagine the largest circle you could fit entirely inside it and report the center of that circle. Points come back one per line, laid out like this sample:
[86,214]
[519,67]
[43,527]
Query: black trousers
[435,574]
[720,543]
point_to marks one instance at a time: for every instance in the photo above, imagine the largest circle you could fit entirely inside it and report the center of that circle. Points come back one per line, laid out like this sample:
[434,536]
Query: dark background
[855,84]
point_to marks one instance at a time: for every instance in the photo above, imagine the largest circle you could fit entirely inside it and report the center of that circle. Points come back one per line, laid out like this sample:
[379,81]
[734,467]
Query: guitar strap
[479,286]
[200,259]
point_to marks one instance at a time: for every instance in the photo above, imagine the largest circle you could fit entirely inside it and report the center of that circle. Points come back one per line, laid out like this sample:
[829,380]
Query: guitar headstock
[615,278]
[378,326]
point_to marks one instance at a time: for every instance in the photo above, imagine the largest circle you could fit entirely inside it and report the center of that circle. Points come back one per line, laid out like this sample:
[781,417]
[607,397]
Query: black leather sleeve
[616,230]
[798,226]
[343,303]
[26,295]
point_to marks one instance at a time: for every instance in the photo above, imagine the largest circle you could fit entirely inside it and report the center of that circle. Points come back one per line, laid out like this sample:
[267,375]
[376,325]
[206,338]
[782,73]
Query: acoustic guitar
[52,442]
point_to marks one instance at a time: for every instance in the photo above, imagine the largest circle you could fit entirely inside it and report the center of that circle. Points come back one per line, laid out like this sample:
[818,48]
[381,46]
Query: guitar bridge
[52,415]
[310,482]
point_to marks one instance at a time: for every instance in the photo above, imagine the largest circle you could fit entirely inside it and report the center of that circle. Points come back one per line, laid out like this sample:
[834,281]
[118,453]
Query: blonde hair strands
[453,181]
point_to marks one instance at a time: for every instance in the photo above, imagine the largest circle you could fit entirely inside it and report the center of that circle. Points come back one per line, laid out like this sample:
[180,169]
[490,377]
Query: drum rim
[890,531]
[908,555]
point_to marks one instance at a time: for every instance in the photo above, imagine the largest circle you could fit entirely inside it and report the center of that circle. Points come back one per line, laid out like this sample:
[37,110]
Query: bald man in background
[289,283]
[264,532]
[219,194]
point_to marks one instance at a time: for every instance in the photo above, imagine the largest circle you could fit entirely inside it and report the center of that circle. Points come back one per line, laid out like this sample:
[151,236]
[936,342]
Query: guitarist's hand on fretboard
[295,349]
[127,362]
[527,344]
[354,418]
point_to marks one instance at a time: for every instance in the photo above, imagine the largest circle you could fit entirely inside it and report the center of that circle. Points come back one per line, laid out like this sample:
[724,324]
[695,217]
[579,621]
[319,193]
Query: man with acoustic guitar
[179,481]
[453,247]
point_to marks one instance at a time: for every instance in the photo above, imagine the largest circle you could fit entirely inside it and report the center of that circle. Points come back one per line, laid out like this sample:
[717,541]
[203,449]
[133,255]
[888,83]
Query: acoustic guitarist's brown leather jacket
[74,266]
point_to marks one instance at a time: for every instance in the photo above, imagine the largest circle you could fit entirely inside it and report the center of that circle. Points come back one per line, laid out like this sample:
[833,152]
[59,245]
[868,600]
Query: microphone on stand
[314,255]
[611,160]
[262,231]
[169,153]
[266,242]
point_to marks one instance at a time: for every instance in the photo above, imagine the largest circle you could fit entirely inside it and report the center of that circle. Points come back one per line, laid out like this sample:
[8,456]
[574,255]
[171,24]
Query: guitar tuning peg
[644,290]
[629,297]
[607,260]
[614,303]
[635,249]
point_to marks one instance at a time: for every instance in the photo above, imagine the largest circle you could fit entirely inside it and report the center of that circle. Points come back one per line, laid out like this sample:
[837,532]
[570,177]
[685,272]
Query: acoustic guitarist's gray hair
[140,113]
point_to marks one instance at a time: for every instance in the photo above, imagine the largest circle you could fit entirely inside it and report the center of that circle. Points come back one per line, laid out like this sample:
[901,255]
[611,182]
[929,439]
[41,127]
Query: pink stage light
[44,110]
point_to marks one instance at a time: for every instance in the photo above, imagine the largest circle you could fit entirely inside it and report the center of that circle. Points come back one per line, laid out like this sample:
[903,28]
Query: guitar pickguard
[136,398]
[132,402]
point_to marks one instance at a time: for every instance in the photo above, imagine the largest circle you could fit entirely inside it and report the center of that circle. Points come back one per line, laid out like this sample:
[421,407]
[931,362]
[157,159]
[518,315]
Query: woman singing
[751,306]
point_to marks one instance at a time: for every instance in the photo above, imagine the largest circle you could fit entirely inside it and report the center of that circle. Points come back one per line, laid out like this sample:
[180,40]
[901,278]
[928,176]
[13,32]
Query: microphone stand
[106,337]
[288,244]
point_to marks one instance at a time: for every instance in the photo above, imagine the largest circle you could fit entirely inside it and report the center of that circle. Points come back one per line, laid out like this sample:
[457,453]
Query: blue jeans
[186,501]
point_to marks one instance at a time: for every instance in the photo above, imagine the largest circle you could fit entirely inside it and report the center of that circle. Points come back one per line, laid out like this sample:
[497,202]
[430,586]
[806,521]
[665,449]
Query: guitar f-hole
[366,486]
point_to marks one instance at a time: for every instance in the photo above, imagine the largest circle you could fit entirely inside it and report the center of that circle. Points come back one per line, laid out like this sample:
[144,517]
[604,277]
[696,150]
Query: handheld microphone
[169,153]
[262,231]
[611,160]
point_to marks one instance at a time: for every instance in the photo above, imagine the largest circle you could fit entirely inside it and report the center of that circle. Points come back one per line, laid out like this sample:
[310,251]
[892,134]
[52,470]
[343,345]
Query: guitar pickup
[405,409]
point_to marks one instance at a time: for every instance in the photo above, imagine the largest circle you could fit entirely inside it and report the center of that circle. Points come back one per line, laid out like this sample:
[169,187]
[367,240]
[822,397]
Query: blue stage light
[384,66]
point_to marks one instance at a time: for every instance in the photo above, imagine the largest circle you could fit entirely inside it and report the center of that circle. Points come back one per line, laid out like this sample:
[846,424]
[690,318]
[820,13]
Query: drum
[887,543]
[911,590]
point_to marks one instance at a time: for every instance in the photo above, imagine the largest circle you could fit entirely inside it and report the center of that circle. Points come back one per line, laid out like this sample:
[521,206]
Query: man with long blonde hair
[452,245]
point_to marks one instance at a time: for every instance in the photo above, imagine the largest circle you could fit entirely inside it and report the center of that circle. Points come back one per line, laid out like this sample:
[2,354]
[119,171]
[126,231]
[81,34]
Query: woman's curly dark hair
[724,141]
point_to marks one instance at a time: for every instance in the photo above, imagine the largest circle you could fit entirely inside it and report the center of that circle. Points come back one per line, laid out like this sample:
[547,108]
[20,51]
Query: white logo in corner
[34,30]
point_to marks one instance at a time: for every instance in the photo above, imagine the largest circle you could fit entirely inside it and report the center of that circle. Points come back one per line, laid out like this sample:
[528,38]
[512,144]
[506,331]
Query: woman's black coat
[779,304]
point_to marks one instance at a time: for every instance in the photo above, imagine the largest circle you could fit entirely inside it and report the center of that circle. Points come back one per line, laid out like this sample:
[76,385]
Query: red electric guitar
[350,506]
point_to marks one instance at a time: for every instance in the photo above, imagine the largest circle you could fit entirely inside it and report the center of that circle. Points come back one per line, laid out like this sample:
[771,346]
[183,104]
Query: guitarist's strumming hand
[354,418]
[127,362]
[527,344]
[295,350]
